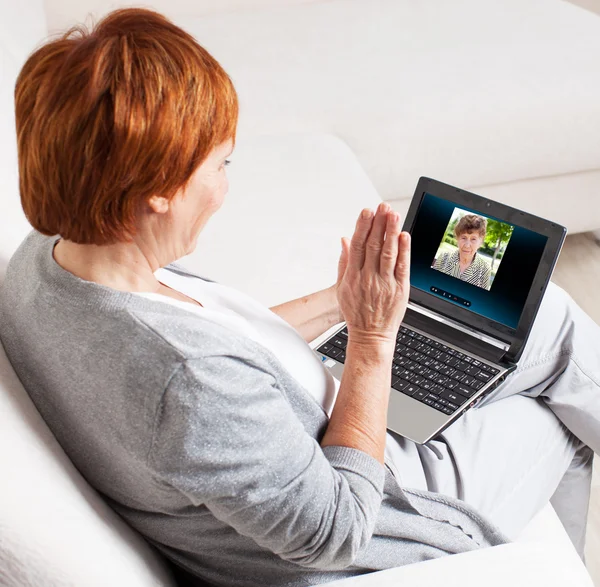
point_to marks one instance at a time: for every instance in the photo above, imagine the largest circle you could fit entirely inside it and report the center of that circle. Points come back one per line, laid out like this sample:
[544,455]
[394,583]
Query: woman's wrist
[336,312]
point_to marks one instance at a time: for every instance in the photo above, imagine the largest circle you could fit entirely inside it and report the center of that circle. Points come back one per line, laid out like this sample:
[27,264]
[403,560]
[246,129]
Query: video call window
[472,248]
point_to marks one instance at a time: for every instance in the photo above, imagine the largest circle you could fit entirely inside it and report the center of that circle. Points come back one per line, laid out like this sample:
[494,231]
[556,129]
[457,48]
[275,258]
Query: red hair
[105,119]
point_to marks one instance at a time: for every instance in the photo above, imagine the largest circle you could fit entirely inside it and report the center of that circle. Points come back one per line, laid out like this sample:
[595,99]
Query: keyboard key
[454,398]
[466,391]
[484,376]
[334,352]
[438,406]
[400,384]
[459,376]
[418,380]
[339,342]
[473,370]
[341,357]
[428,401]
[452,406]
[411,389]
[434,397]
[448,410]
[468,380]
[420,395]
[451,384]
[325,348]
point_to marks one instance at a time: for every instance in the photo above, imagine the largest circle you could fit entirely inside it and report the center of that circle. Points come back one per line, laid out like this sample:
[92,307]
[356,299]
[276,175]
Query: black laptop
[479,270]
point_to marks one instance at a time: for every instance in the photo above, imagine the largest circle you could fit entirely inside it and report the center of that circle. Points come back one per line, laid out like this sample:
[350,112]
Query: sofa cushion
[472,93]
[291,199]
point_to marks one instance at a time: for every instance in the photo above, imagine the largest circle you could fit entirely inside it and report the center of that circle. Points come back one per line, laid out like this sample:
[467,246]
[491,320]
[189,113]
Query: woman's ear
[158,204]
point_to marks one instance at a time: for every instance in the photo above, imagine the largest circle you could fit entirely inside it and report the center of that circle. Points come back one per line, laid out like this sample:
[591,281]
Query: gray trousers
[532,440]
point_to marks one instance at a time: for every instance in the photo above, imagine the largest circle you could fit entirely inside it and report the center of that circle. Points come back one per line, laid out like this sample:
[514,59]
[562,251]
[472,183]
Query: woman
[464,263]
[199,414]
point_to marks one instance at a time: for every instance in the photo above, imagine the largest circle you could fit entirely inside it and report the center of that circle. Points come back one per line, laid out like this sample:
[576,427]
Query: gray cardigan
[202,441]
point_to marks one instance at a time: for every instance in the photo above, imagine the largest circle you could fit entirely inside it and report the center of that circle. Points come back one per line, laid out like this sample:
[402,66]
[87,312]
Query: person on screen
[464,263]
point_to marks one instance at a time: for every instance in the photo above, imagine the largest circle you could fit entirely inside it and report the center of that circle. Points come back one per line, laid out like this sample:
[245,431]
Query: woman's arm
[227,438]
[313,314]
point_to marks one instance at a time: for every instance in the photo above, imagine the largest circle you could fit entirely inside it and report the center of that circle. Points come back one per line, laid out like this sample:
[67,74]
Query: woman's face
[191,208]
[469,243]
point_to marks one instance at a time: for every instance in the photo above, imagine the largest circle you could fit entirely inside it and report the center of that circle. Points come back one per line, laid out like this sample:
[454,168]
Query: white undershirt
[244,315]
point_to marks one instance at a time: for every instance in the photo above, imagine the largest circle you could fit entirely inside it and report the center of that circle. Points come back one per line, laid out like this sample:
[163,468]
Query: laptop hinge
[462,336]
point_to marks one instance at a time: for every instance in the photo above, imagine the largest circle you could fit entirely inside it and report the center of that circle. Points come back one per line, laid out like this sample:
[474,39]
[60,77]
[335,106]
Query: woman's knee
[551,333]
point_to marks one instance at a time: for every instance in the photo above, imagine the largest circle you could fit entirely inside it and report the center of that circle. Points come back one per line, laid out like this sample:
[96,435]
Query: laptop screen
[476,261]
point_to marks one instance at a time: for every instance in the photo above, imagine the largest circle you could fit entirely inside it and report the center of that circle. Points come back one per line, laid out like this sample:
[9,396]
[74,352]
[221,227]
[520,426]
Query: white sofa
[293,195]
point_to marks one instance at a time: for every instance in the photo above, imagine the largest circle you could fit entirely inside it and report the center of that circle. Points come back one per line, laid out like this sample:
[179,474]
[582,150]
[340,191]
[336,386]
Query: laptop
[479,270]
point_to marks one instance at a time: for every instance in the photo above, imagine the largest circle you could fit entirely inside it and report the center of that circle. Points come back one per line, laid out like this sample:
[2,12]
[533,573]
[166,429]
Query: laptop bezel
[556,234]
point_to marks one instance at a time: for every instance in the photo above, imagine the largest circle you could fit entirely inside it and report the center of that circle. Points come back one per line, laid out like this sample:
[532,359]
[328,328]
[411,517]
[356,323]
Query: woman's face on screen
[469,242]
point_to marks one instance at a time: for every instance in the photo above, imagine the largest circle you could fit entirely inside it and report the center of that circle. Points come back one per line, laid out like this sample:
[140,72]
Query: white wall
[22,28]
[62,14]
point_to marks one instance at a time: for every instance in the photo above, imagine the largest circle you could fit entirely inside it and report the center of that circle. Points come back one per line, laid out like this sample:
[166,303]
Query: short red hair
[105,119]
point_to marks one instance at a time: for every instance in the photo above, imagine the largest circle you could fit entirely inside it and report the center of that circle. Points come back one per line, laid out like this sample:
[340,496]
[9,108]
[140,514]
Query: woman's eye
[226,162]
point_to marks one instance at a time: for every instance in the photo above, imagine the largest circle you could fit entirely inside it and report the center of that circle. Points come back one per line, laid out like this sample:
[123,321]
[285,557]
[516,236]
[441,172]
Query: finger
[375,240]
[403,262]
[343,262]
[389,252]
[356,256]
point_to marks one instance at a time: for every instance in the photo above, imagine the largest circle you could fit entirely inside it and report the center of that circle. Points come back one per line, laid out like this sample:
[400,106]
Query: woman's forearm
[313,314]
[359,416]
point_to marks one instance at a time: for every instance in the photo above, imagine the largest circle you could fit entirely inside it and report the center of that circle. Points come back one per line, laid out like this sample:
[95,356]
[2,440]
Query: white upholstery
[476,94]
[276,237]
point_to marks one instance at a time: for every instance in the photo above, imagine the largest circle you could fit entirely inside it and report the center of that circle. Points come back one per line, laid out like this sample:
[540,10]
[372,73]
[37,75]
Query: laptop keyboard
[426,369]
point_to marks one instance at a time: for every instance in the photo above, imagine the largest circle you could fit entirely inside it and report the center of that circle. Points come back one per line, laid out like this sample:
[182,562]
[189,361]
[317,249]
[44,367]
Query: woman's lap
[507,456]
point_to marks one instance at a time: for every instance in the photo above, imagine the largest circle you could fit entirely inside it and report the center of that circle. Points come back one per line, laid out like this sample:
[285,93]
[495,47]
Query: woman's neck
[466,260]
[121,266]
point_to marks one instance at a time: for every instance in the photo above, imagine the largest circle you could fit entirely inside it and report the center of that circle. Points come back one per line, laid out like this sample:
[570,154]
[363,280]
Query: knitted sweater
[202,441]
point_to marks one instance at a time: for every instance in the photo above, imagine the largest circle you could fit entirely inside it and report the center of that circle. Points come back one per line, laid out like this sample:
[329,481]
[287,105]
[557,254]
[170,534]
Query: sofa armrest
[514,565]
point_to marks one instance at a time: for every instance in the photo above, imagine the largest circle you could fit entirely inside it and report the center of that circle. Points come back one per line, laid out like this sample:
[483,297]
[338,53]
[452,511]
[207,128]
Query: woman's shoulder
[449,257]
[482,264]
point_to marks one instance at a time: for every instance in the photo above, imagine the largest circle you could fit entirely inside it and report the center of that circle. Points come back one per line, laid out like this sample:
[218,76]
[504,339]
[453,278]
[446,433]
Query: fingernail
[366,214]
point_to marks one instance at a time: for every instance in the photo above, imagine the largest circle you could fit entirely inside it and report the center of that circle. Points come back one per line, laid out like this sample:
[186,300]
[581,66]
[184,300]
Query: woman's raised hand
[374,276]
